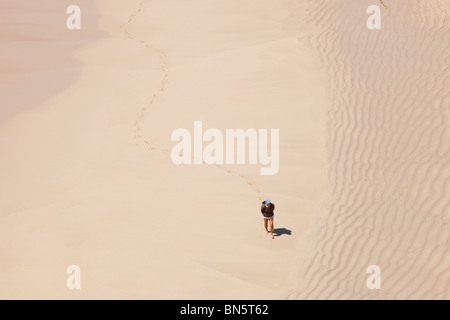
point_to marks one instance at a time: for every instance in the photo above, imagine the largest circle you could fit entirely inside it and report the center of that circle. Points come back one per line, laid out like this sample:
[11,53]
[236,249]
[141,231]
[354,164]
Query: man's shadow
[278,232]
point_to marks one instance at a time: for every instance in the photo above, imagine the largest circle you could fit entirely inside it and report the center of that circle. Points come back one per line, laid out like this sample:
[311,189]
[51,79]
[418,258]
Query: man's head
[267,203]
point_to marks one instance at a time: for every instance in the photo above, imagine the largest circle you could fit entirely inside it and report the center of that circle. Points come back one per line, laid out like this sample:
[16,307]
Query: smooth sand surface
[35,60]
[87,179]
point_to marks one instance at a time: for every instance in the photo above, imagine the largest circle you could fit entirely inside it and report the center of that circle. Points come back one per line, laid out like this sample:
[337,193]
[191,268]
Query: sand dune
[389,153]
[35,56]
[87,179]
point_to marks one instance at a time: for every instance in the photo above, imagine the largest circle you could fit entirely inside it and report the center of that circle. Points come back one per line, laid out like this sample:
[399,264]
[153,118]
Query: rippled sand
[389,152]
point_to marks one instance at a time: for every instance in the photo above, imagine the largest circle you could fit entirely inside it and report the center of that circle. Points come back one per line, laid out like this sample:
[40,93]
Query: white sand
[389,149]
[80,184]
[87,179]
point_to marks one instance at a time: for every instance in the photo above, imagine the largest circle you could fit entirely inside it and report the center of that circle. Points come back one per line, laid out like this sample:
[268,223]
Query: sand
[36,46]
[389,152]
[87,177]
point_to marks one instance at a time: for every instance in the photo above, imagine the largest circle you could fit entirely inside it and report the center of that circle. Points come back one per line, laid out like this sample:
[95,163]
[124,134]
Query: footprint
[164,70]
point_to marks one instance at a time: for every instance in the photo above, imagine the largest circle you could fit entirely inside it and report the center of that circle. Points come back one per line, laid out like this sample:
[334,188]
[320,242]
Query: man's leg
[265,225]
[271,227]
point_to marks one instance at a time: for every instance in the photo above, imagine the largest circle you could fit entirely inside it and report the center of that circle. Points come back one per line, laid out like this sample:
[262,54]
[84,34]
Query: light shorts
[268,218]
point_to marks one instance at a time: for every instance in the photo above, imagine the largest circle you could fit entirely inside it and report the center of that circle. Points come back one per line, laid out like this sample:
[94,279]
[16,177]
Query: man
[267,209]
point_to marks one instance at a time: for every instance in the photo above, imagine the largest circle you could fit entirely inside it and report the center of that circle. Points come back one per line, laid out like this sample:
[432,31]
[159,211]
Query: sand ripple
[389,152]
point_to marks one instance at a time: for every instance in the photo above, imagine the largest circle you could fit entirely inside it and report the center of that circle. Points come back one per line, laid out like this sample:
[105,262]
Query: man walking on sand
[267,210]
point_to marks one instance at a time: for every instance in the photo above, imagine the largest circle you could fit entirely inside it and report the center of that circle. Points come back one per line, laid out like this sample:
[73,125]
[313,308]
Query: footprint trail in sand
[139,123]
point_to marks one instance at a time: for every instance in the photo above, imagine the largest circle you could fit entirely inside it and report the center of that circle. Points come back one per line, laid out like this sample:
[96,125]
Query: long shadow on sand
[278,232]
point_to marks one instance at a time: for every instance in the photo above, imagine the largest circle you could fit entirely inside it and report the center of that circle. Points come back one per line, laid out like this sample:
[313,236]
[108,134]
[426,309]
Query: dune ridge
[388,146]
[35,56]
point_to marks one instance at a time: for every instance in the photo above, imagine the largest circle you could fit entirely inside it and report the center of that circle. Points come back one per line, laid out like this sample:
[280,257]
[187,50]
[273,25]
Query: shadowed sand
[35,60]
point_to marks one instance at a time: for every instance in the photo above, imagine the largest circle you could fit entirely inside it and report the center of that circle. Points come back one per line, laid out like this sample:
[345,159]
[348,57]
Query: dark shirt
[267,211]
